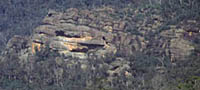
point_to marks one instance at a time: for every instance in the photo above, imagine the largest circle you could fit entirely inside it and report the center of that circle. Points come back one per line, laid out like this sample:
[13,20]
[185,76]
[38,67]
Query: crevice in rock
[114,68]
[92,46]
[62,33]
[45,23]
[43,33]
[84,50]
[50,14]
[103,38]
[35,41]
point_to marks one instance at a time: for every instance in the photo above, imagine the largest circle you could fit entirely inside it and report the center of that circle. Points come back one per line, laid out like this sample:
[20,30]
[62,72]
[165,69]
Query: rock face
[180,40]
[93,47]
[96,33]
[77,33]
[17,46]
[83,33]
[178,46]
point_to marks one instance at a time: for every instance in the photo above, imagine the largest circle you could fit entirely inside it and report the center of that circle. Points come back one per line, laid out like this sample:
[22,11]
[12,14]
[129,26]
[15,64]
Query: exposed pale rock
[18,46]
[83,33]
[119,67]
[179,48]
[77,32]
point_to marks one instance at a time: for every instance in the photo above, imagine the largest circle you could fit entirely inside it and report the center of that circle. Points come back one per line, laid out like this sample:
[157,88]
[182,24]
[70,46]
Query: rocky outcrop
[178,47]
[180,40]
[18,47]
[173,41]
[95,49]
[77,33]
[96,33]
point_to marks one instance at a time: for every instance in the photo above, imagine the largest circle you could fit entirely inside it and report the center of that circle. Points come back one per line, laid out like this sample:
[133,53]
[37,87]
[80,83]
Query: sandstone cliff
[79,33]
[85,33]
[94,42]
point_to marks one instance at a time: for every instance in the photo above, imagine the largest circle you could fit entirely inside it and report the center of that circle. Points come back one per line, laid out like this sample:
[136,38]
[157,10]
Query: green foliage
[12,84]
[192,83]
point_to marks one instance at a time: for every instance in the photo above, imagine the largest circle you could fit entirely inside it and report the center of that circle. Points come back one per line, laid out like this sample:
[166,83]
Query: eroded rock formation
[94,43]
[85,33]
[76,33]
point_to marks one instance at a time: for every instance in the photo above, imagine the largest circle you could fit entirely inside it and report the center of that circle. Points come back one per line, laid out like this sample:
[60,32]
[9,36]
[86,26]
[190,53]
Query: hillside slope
[150,47]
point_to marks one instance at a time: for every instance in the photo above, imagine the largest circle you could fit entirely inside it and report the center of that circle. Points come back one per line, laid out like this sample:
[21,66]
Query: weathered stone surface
[118,68]
[17,46]
[179,48]
[83,33]
[76,33]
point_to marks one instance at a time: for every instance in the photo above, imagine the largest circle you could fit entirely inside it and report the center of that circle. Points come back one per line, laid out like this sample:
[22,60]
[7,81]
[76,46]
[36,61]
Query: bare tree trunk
[181,2]
[160,2]
[150,2]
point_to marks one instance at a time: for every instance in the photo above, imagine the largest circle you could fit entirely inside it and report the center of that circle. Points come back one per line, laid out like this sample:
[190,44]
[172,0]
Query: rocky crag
[77,33]
[85,33]
[83,36]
